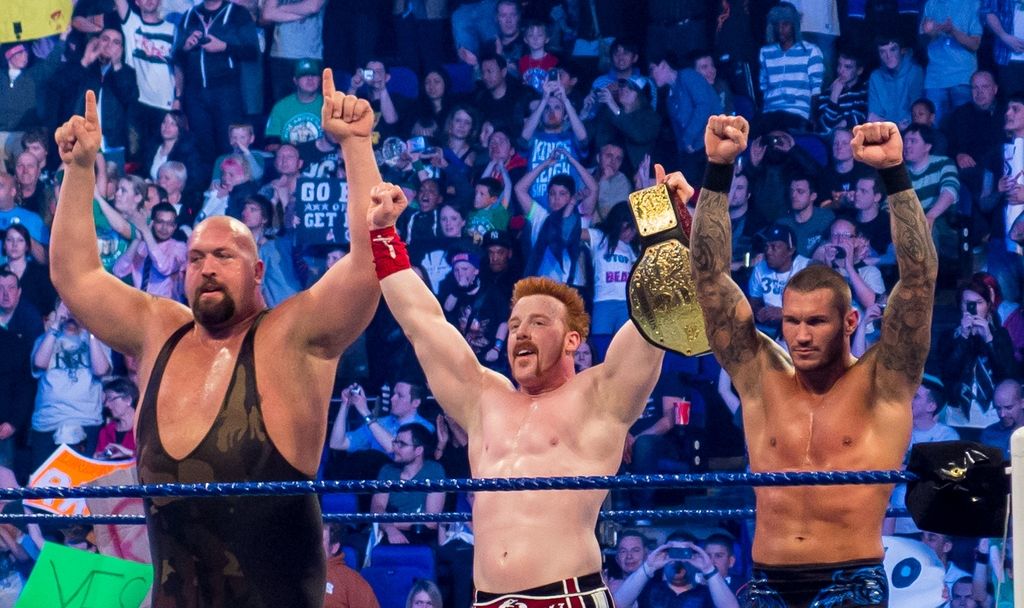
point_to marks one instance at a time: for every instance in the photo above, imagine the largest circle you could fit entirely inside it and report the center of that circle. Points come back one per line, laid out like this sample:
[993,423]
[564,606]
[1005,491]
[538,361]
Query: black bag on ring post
[962,488]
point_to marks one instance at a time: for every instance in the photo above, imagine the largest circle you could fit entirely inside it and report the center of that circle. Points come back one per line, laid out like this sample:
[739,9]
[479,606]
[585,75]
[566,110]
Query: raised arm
[106,306]
[728,318]
[319,319]
[456,378]
[906,324]
[628,375]
[522,187]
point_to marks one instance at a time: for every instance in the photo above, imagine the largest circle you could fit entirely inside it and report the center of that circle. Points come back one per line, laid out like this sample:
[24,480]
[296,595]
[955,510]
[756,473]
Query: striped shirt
[852,108]
[789,79]
[938,177]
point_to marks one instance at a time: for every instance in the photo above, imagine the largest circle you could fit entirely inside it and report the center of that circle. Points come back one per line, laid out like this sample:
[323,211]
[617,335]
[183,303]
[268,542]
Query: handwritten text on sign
[71,578]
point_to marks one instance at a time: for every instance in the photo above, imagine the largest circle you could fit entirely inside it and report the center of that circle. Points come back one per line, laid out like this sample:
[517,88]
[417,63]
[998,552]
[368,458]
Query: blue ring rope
[360,518]
[607,482]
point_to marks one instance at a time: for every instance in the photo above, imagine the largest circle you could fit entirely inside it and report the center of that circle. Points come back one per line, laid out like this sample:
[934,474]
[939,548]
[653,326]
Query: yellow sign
[67,468]
[23,20]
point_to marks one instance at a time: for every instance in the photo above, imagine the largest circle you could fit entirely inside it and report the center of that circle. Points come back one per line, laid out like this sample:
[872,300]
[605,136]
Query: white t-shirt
[939,432]
[818,16]
[769,284]
[1018,30]
[148,49]
[611,272]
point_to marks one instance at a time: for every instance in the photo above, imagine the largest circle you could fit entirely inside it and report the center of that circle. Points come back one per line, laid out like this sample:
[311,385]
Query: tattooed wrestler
[818,408]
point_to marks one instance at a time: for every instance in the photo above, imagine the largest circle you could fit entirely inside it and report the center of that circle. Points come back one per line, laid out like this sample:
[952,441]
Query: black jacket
[229,23]
[117,92]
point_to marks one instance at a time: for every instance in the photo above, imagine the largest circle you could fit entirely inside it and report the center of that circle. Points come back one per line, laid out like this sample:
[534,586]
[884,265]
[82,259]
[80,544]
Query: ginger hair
[576,317]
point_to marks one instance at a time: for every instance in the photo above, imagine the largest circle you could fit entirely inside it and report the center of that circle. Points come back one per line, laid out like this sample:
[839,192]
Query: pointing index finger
[328,78]
[91,115]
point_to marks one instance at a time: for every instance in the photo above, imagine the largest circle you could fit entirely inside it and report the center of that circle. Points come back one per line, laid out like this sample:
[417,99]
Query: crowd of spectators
[518,128]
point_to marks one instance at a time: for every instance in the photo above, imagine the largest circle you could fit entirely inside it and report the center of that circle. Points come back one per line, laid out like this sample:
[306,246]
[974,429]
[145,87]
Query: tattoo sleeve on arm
[906,325]
[728,318]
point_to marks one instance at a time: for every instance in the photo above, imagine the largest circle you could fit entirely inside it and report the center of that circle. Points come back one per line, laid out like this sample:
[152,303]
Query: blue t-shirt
[29,219]
[543,145]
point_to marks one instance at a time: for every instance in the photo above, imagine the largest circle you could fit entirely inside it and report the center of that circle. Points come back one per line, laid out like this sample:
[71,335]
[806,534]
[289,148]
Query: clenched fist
[79,138]
[725,138]
[877,144]
[344,116]
[387,202]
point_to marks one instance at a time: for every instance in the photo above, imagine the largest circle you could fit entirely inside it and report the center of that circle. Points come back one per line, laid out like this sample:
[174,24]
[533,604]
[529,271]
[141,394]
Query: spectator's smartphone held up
[418,144]
[553,75]
[680,553]
[368,75]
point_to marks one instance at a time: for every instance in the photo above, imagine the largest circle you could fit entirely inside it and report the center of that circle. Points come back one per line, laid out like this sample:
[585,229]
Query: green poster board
[72,578]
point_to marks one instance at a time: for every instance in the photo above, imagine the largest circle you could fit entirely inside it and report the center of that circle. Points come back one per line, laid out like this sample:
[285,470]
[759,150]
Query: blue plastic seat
[418,557]
[390,584]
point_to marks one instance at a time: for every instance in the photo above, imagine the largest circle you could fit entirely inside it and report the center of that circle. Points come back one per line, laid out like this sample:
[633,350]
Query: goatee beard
[213,314]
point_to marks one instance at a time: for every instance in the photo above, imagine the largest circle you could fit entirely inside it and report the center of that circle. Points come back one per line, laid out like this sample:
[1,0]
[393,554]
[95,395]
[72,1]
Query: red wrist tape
[389,252]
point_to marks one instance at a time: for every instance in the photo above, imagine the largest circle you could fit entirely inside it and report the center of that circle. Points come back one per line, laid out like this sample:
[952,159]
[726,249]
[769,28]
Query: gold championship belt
[662,294]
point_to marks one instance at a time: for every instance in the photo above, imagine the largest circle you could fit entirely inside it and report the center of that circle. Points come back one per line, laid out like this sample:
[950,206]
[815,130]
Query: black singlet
[235,552]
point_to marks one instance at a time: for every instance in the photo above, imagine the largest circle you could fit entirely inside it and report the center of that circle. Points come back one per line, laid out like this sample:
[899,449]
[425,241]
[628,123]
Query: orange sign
[66,468]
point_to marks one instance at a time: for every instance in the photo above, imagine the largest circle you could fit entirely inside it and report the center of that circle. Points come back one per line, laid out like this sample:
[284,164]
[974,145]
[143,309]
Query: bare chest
[191,393]
[841,429]
[543,436]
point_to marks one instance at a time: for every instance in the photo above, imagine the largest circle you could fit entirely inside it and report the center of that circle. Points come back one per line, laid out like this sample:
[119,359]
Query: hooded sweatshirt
[891,93]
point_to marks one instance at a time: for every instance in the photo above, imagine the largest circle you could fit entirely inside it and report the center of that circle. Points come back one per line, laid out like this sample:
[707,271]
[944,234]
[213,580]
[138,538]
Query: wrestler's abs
[527,539]
[848,428]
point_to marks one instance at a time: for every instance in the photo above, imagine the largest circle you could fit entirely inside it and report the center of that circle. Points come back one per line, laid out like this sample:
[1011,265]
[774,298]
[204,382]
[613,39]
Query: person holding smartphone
[978,354]
[371,83]
[680,561]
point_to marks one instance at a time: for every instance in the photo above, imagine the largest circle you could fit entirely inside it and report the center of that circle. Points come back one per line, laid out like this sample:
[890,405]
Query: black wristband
[896,179]
[980,558]
[708,575]
[718,177]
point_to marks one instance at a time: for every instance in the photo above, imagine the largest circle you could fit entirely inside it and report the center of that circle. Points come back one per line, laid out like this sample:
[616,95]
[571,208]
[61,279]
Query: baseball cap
[469,258]
[307,67]
[497,237]
[14,50]
[779,232]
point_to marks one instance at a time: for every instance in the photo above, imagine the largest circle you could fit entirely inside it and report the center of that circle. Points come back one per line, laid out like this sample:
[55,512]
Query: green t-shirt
[295,122]
[482,221]
[111,244]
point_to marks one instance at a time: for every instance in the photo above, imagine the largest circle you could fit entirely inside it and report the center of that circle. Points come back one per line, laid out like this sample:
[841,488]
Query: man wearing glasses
[154,260]
[409,449]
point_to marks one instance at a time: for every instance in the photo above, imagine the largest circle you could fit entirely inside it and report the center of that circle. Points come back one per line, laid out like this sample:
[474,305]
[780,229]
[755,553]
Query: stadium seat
[351,557]
[813,145]
[744,106]
[417,557]
[461,76]
[339,503]
[403,82]
[391,585]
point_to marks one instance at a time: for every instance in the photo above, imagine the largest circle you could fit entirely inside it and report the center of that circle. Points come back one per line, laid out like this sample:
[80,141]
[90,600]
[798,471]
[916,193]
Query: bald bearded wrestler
[817,408]
[234,391]
[533,549]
